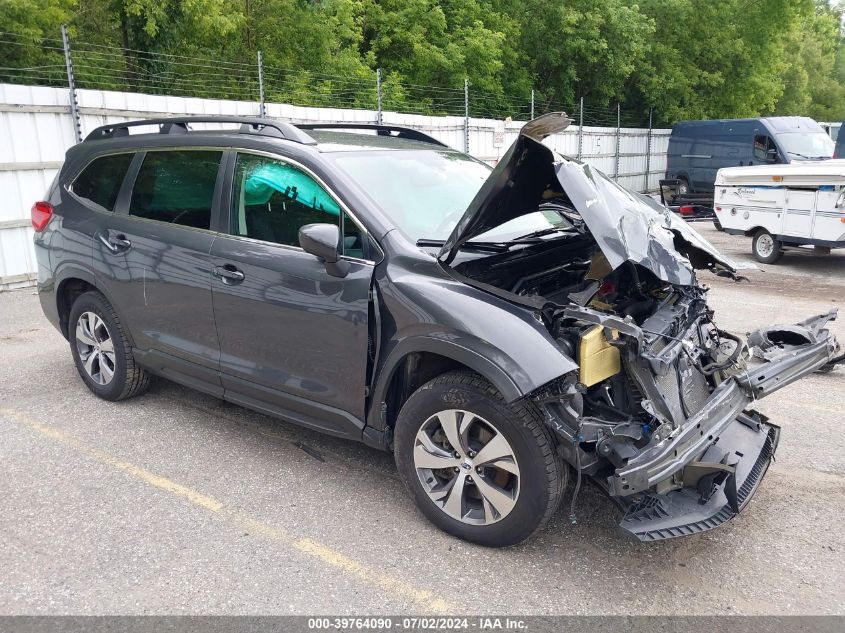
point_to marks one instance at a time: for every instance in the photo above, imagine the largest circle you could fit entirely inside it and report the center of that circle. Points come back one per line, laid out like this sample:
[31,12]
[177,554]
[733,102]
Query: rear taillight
[686,210]
[41,214]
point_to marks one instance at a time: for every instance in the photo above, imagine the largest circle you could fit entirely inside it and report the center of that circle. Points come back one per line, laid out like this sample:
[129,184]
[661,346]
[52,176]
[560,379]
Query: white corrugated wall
[36,129]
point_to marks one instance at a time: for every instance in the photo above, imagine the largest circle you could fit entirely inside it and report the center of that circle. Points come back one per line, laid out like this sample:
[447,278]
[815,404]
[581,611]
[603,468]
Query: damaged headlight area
[658,413]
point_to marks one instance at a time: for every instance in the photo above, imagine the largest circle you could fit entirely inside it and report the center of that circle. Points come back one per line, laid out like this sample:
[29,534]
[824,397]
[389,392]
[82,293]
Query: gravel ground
[175,502]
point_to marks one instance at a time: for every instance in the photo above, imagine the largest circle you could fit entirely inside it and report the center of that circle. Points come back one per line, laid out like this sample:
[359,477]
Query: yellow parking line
[323,553]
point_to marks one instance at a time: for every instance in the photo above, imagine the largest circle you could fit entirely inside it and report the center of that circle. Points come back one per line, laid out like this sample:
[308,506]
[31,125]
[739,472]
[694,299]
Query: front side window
[765,149]
[271,200]
[176,187]
[100,181]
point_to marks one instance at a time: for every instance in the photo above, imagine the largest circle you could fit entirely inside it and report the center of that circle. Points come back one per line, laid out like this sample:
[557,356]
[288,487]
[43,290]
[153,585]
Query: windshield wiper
[799,155]
[496,247]
[530,238]
[535,236]
[499,247]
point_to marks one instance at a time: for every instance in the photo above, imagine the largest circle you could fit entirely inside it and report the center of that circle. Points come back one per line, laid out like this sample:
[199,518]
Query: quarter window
[176,187]
[272,200]
[100,181]
[354,239]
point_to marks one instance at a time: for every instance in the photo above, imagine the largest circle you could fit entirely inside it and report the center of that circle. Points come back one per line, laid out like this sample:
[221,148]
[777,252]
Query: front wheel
[766,248]
[479,468]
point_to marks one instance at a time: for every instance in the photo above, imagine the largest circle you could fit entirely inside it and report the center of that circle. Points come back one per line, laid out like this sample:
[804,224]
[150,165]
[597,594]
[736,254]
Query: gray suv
[495,329]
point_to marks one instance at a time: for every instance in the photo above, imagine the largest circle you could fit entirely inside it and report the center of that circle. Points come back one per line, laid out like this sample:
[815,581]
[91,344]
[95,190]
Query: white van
[783,206]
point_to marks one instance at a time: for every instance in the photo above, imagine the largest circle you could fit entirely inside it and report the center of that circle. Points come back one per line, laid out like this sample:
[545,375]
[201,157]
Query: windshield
[806,145]
[426,192]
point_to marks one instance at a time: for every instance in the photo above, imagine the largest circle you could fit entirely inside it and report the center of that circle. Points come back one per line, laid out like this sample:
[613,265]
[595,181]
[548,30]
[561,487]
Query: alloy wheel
[95,347]
[466,467]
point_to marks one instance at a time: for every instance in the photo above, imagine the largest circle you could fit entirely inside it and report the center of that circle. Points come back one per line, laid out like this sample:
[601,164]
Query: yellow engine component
[598,358]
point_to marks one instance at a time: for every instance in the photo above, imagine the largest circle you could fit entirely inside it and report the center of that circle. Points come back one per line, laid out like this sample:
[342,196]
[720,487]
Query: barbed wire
[41,61]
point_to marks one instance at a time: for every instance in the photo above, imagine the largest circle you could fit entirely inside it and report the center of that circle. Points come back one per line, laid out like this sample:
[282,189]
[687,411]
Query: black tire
[766,248]
[127,379]
[718,225]
[542,474]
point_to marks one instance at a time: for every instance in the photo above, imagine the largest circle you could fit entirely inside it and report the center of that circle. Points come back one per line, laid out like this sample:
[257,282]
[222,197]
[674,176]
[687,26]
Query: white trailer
[783,206]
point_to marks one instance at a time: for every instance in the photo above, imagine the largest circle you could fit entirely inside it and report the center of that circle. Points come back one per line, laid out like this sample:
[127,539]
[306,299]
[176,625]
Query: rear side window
[100,181]
[176,187]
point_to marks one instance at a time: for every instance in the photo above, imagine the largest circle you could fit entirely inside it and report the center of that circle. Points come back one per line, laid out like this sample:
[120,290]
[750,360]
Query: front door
[293,339]
[154,256]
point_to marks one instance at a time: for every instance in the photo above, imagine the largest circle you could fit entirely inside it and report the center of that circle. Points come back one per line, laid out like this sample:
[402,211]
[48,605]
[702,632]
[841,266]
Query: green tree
[26,24]
[714,59]
[579,48]
[812,84]
[684,58]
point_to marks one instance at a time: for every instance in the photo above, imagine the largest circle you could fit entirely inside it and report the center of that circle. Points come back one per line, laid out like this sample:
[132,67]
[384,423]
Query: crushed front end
[659,415]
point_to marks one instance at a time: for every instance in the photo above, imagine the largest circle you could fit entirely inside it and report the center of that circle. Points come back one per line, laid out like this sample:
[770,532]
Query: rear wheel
[479,468]
[101,350]
[766,248]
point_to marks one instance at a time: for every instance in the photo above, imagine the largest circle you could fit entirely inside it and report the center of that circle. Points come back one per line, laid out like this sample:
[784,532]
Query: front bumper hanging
[721,453]
[653,517]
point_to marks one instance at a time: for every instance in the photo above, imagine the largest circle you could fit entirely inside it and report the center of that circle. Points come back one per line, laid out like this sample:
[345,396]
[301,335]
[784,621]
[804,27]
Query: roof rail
[179,125]
[397,131]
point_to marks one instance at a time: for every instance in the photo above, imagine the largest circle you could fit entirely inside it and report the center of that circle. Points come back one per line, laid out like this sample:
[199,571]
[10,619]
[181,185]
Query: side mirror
[323,241]
[772,156]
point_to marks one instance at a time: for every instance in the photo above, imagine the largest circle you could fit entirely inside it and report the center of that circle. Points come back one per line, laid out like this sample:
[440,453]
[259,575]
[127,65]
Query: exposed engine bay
[649,353]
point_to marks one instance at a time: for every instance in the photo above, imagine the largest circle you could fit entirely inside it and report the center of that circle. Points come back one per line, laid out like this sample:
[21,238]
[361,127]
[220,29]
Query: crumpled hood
[626,226]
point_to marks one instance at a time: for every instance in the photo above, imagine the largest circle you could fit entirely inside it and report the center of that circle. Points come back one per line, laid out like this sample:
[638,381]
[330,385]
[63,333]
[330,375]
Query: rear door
[293,339]
[701,158]
[154,257]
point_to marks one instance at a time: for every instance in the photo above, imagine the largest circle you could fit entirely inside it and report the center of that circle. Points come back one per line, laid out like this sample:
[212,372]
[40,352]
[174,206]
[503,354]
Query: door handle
[228,274]
[115,243]
[120,242]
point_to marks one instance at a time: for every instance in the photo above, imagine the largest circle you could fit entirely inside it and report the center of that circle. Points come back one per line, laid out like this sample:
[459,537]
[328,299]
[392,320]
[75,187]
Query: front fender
[434,313]
[467,352]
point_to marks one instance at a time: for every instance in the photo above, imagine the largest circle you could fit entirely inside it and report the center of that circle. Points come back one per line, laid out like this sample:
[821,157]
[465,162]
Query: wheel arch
[71,283]
[413,364]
